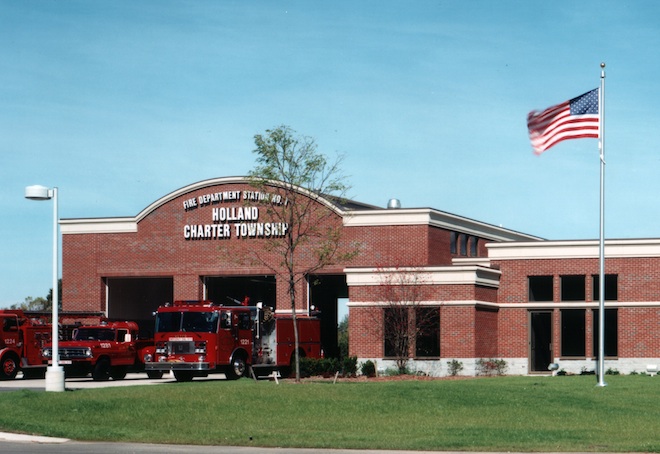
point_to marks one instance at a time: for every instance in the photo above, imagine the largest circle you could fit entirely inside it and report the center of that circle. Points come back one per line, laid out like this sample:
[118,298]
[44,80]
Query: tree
[40,304]
[342,337]
[406,323]
[33,304]
[304,180]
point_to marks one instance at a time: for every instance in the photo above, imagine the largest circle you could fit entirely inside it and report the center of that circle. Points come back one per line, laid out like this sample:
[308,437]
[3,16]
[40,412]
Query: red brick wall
[639,332]
[457,331]
[159,249]
[638,281]
[486,321]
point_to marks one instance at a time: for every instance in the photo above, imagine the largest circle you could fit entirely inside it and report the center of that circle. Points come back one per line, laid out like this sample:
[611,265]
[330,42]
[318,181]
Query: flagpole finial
[602,64]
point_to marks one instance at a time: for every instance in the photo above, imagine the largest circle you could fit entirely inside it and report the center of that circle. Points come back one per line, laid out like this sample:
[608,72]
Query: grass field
[487,414]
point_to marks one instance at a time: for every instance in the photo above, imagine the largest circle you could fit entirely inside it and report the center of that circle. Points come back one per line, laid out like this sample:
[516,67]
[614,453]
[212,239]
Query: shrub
[491,366]
[349,366]
[368,368]
[454,367]
[310,367]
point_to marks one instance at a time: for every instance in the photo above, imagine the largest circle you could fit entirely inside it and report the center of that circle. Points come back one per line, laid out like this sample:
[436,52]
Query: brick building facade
[485,292]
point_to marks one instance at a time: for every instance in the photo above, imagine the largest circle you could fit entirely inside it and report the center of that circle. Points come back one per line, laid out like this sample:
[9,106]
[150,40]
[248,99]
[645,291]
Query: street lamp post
[54,372]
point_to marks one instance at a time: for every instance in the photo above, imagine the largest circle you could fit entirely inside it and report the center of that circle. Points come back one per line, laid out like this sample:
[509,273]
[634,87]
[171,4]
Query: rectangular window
[427,339]
[573,332]
[611,330]
[453,240]
[572,288]
[611,287]
[540,288]
[464,241]
[474,246]
[395,332]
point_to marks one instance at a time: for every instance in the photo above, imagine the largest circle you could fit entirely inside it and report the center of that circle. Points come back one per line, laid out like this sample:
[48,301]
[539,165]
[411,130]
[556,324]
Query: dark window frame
[572,287]
[427,336]
[573,333]
[540,288]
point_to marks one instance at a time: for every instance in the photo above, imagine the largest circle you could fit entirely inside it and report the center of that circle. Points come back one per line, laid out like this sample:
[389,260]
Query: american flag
[573,119]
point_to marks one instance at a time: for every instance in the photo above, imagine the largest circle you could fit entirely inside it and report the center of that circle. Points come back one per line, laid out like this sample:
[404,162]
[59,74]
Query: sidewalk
[5,436]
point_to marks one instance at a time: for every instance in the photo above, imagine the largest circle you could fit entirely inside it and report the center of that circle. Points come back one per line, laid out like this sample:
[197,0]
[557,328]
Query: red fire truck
[106,350]
[195,338]
[21,343]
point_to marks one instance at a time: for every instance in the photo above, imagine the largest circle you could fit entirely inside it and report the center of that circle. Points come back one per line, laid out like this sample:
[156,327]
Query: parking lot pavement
[140,379]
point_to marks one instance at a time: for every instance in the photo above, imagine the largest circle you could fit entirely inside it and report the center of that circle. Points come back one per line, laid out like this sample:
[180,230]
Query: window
[540,288]
[427,339]
[395,332]
[453,239]
[611,329]
[464,241]
[572,288]
[573,332]
[474,246]
[611,287]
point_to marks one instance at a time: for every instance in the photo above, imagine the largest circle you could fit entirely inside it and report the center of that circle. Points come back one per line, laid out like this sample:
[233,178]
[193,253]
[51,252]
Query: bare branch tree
[405,320]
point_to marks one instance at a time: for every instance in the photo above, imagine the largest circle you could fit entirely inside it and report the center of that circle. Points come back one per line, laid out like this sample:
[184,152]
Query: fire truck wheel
[155,373]
[101,371]
[38,373]
[237,368]
[183,375]
[8,367]
[118,372]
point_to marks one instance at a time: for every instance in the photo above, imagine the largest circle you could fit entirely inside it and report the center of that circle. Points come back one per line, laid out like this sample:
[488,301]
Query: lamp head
[38,192]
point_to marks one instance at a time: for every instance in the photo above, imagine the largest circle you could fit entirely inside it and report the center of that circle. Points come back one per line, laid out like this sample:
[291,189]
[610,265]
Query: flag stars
[585,104]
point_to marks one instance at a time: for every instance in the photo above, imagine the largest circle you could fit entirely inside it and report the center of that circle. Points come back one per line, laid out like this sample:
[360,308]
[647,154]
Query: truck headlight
[88,352]
[200,347]
[46,353]
[147,358]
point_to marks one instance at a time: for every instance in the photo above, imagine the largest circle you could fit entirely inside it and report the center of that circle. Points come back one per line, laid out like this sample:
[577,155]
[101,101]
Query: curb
[30,438]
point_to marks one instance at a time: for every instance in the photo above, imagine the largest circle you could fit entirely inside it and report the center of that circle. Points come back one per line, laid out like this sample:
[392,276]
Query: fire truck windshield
[171,322]
[94,334]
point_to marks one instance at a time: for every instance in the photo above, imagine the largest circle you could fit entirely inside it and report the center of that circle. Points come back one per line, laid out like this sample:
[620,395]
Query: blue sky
[118,103]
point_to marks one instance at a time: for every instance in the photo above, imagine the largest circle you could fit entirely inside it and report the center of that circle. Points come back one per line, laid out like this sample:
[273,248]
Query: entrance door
[540,341]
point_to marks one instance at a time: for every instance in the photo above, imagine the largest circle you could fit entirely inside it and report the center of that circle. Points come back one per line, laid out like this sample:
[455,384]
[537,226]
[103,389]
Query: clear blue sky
[118,103]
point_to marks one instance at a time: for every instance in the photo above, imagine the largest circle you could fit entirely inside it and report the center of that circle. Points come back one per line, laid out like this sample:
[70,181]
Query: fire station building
[483,292]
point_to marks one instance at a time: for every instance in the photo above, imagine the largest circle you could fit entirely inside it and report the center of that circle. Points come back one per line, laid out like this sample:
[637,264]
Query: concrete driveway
[140,379]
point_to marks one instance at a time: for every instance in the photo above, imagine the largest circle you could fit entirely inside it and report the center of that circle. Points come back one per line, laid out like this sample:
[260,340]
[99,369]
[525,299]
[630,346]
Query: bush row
[310,367]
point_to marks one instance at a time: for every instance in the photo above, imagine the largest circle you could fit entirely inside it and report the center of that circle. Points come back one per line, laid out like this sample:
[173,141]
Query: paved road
[74,447]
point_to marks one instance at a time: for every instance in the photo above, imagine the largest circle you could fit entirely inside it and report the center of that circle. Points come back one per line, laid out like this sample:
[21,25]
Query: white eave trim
[441,275]
[435,218]
[573,249]
[98,225]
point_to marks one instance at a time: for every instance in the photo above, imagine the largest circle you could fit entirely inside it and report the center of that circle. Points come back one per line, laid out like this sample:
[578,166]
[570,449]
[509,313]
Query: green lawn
[488,414]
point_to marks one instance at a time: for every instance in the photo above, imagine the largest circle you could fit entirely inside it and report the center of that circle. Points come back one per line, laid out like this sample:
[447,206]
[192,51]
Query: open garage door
[325,293]
[233,290]
[137,298]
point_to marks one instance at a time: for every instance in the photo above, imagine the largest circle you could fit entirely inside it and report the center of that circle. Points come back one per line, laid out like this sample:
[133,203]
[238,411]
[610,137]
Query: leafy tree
[33,304]
[304,178]
[342,337]
[40,304]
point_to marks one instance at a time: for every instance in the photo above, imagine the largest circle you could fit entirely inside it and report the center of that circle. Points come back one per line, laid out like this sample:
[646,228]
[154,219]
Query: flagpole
[601,279]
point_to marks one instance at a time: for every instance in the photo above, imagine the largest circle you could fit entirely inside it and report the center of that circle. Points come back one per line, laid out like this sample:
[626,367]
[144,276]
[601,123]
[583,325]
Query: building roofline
[353,214]
[571,249]
[436,218]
